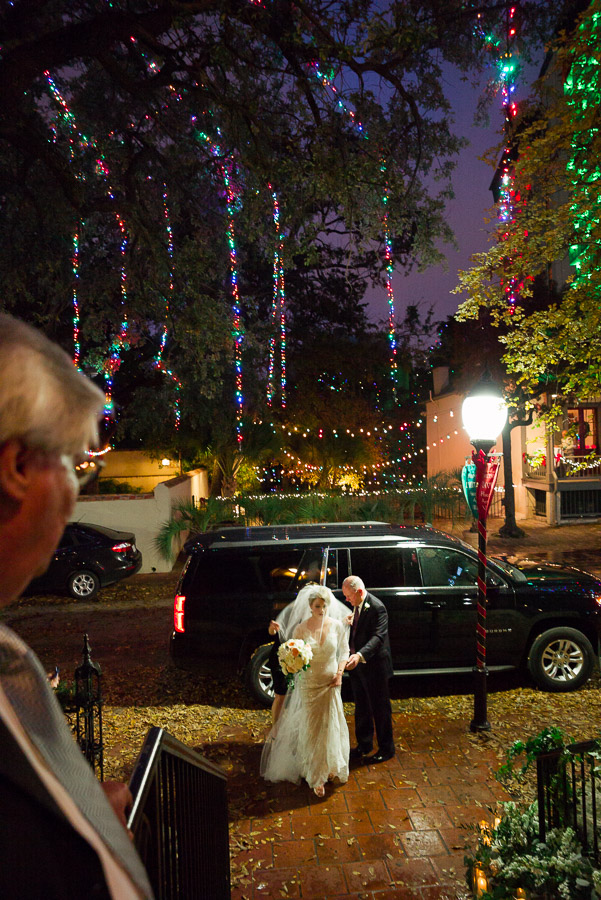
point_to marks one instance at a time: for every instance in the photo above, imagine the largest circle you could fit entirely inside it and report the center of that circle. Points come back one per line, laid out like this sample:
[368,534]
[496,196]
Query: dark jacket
[371,636]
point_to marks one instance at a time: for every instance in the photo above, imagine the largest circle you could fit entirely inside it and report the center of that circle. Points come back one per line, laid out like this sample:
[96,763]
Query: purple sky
[465,214]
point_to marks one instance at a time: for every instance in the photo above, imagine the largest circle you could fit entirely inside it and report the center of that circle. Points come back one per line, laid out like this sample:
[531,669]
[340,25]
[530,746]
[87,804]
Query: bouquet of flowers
[294,656]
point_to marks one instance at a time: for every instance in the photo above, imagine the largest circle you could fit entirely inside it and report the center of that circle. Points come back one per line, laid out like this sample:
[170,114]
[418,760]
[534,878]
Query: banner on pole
[487,470]
[468,483]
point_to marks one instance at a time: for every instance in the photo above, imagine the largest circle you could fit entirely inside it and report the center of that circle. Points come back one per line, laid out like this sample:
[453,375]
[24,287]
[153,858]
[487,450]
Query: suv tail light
[178,613]
[122,547]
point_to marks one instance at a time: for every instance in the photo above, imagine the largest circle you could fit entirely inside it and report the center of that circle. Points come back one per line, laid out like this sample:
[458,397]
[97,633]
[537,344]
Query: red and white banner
[488,469]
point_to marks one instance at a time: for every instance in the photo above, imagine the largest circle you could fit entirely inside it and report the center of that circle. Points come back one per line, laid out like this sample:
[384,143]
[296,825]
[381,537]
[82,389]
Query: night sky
[466,214]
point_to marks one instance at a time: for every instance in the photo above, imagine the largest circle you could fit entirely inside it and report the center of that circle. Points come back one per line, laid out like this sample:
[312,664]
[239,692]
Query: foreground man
[60,838]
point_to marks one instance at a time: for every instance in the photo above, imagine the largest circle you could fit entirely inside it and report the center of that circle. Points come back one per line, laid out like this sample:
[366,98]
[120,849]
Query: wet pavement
[394,831]
[572,545]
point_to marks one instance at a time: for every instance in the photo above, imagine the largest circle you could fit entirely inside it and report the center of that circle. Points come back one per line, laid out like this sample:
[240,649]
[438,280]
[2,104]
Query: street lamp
[484,415]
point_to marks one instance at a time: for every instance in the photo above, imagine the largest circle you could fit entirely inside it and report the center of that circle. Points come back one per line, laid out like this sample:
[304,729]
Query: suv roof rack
[328,530]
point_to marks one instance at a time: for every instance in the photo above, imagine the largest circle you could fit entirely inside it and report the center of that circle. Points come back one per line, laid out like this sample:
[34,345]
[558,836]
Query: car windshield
[509,569]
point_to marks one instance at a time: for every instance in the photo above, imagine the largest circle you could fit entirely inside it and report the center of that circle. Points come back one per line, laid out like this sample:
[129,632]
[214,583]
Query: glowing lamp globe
[484,414]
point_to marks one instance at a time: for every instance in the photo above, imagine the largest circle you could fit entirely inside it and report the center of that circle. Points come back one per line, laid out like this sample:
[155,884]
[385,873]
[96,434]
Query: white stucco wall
[138,469]
[447,443]
[448,446]
[144,513]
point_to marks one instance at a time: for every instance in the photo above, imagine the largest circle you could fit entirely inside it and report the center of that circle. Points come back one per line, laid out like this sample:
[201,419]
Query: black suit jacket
[371,636]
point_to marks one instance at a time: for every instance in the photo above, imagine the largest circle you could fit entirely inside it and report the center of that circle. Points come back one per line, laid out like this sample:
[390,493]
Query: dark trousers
[372,707]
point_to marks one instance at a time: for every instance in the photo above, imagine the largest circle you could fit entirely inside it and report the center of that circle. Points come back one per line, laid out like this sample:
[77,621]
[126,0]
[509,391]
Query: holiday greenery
[551,247]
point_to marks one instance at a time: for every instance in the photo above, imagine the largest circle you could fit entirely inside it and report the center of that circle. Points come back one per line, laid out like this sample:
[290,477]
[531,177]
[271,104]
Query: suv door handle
[435,604]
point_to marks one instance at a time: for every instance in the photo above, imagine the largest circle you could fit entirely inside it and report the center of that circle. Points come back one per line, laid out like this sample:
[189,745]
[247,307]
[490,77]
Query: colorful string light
[75,300]
[507,212]
[158,361]
[394,375]
[277,308]
[507,200]
[79,141]
[226,167]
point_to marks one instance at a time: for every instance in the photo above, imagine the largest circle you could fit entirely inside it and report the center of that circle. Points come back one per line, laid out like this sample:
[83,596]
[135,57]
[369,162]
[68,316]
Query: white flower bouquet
[294,656]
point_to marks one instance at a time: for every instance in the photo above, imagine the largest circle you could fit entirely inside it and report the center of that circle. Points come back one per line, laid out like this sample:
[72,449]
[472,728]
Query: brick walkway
[393,832]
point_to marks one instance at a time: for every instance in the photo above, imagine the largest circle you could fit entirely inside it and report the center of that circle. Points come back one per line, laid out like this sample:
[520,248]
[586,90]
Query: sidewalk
[395,831]
[576,545]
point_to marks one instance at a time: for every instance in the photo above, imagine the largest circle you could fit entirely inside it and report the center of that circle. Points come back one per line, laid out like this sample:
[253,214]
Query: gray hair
[323,593]
[45,402]
[354,583]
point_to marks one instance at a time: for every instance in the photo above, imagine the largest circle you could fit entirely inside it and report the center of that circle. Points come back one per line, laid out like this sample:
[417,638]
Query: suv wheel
[561,659]
[83,585]
[258,676]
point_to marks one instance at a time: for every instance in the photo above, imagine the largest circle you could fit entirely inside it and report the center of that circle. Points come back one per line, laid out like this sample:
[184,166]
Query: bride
[310,740]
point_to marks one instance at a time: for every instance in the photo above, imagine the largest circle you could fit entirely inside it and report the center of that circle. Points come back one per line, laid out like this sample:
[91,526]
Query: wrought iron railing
[568,788]
[180,821]
[454,507]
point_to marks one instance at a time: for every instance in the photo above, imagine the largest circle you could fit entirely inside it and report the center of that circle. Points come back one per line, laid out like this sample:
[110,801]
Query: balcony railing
[568,467]
[180,820]
[578,467]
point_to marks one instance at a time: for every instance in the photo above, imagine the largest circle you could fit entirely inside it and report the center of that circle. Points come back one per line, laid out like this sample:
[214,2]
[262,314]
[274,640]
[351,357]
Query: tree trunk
[510,529]
[216,479]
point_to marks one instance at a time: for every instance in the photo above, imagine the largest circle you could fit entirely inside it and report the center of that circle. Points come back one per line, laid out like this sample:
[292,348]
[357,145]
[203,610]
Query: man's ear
[14,471]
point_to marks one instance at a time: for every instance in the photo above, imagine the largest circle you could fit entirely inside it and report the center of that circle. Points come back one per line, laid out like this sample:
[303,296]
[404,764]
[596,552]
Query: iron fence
[455,507]
[179,820]
[568,793]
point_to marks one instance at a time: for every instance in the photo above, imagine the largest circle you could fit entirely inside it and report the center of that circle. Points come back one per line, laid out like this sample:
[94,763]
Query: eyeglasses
[88,468]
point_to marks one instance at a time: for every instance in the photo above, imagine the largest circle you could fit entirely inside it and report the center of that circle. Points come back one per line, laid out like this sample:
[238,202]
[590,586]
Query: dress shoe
[358,753]
[378,757]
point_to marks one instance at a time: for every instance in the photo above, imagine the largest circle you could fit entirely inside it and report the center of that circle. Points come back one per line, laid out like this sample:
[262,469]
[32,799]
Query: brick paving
[395,831]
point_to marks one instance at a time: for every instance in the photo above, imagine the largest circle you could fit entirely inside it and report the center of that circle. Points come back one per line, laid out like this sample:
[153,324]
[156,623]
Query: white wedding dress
[311,738]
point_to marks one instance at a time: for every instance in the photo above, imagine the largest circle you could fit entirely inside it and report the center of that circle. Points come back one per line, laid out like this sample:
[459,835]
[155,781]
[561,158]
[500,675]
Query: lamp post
[484,414]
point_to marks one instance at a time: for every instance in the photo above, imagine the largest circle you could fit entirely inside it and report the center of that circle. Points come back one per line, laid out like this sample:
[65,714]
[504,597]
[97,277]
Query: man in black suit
[370,667]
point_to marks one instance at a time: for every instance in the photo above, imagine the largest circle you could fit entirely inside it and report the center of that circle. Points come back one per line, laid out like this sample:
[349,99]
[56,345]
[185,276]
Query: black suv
[236,579]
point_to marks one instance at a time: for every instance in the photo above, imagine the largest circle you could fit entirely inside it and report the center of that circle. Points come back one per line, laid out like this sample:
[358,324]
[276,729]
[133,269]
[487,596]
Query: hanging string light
[78,141]
[508,72]
[75,300]
[226,168]
[389,291]
[507,80]
[278,308]
[158,362]
[119,343]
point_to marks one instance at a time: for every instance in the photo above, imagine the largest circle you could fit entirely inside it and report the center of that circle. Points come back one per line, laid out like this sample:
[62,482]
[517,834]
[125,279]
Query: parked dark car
[544,617]
[88,558]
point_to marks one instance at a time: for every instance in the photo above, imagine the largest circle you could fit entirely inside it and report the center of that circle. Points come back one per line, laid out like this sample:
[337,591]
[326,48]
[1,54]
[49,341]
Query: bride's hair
[323,593]
[300,608]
